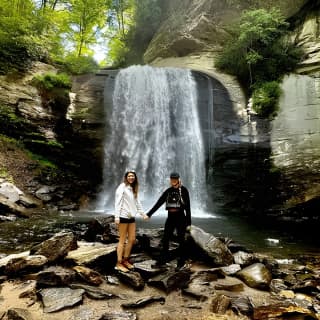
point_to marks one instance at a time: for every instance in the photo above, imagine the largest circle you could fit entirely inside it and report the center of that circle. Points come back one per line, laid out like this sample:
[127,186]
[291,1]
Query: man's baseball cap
[174,175]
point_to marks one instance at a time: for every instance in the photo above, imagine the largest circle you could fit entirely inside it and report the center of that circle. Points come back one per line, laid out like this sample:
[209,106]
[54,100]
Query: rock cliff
[190,37]
[193,26]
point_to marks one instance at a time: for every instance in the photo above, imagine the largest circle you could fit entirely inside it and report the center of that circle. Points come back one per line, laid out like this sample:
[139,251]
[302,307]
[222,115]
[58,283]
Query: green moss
[50,81]
[13,125]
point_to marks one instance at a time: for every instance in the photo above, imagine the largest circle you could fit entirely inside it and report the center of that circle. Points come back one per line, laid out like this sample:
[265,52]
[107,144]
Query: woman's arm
[118,201]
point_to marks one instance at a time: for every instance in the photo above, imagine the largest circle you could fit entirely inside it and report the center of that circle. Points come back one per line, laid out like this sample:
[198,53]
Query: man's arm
[158,204]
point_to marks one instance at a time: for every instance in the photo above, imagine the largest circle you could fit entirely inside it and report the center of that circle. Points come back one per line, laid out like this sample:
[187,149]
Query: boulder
[256,276]
[213,247]
[56,247]
[10,191]
[55,276]
[5,260]
[24,264]
[8,206]
[94,253]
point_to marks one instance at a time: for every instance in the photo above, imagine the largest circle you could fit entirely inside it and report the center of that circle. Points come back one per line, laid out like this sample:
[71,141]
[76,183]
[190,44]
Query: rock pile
[67,277]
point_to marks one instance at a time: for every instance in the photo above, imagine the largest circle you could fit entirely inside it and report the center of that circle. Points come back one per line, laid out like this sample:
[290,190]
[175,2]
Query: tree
[85,20]
[259,51]
[142,20]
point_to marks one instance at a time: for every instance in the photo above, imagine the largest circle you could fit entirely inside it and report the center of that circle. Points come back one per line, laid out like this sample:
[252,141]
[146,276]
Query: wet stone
[143,302]
[93,292]
[279,311]
[277,285]
[232,269]
[132,278]
[242,305]
[220,303]
[88,275]
[52,301]
[256,276]
[147,268]
[112,280]
[243,258]
[119,316]
[18,314]
[236,287]
[55,276]
[171,280]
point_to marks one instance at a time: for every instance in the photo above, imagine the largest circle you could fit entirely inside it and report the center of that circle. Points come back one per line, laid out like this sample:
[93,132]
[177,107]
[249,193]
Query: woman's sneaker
[120,267]
[127,264]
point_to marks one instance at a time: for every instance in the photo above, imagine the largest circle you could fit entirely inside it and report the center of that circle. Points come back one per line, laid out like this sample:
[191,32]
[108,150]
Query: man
[179,217]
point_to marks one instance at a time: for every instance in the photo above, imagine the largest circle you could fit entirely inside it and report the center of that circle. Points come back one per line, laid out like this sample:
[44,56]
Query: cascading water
[154,129]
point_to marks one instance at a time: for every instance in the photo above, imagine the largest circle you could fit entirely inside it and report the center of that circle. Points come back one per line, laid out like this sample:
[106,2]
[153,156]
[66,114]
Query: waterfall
[154,129]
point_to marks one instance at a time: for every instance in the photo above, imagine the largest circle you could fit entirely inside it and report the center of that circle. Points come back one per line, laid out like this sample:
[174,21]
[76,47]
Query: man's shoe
[127,264]
[120,267]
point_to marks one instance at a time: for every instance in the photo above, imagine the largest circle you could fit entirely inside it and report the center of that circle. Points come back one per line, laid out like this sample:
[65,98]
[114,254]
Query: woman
[127,205]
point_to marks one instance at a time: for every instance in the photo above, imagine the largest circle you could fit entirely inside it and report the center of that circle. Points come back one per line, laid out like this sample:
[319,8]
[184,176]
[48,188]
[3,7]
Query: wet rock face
[295,136]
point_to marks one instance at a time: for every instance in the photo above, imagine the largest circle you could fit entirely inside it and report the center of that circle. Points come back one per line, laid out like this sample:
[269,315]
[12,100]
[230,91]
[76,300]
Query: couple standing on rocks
[127,205]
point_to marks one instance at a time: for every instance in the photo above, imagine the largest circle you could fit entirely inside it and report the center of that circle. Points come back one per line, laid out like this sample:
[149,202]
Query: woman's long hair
[134,185]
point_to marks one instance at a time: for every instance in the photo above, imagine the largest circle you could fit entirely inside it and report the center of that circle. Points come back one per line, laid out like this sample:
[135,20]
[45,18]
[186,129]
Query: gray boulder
[212,246]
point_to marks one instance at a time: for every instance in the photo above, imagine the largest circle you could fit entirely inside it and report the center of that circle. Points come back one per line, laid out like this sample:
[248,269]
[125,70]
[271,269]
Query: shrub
[259,52]
[50,80]
[18,53]
[265,99]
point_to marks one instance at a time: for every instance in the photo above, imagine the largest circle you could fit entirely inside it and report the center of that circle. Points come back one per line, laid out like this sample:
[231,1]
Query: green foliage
[265,99]
[20,43]
[128,47]
[78,65]
[17,53]
[259,51]
[85,20]
[50,81]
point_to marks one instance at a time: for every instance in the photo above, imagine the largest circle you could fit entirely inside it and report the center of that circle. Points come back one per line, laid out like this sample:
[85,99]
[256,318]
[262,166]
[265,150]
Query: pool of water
[24,233]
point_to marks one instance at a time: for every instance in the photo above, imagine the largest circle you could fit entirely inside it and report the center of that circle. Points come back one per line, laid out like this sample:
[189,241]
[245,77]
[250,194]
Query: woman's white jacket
[126,205]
